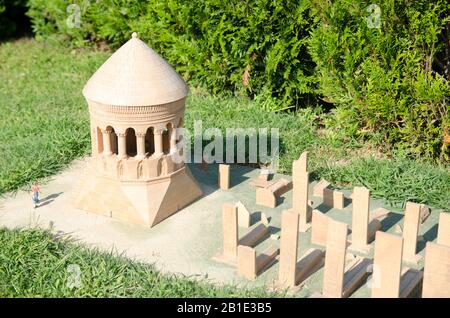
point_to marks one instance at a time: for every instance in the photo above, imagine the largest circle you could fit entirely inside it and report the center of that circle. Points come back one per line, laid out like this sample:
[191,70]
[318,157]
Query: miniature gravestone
[250,265]
[230,231]
[333,199]
[333,274]
[379,213]
[388,278]
[231,234]
[243,215]
[268,196]
[253,236]
[410,232]
[136,102]
[262,180]
[319,188]
[443,236]
[292,272]
[288,247]
[319,230]
[340,280]
[424,212]
[436,279]
[265,219]
[224,177]
[387,266]
[300,179]
[362,231]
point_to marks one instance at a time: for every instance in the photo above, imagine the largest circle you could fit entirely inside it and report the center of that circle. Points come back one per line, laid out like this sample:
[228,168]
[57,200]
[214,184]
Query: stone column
[140,145]
[158,135]
[106,134]
[122,145]
[173,140]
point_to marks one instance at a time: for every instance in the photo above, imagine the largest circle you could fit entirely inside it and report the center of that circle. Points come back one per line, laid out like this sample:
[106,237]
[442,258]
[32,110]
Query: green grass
[44,125]
[35,263]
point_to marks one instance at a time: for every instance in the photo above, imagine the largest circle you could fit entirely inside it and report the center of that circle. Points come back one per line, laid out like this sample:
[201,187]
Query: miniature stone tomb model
[136,101]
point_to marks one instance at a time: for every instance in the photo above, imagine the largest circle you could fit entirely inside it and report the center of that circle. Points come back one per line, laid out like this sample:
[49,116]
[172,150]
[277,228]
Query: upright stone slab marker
[293,272]
[436,279]
[333,275]
[443,236]
[360,218]
[387,264]
[319,230]
[288,247]
[246,263]
[300,180]
[224,177]
[410,231]
[243,215]
[230,231]
[319,188]
[333,199]
[249,265]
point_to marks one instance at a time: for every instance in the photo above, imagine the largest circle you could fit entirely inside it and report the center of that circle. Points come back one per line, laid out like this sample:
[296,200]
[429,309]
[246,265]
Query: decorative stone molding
[137,114]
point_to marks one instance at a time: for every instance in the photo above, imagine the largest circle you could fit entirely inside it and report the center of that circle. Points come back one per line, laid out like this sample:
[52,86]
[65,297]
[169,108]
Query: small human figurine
[35,190]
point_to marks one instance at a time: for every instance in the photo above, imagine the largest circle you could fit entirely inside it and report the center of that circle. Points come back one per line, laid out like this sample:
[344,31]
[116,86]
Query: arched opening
[149,141]
[112,139]
[99,141]
[131,142]
[166,138]
[179,137]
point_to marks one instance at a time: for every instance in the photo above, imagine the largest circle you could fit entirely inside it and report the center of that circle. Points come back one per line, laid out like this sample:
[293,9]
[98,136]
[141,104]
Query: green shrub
[244,47]
[383,80]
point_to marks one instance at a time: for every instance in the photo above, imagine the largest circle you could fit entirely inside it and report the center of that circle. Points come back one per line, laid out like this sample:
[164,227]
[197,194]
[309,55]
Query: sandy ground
[187,241]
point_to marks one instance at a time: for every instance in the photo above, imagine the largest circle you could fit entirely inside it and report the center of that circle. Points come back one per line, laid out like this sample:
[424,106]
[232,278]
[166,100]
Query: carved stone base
[141,202]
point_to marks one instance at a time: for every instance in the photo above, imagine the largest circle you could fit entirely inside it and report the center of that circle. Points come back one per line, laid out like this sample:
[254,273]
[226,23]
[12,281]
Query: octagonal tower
[136,101]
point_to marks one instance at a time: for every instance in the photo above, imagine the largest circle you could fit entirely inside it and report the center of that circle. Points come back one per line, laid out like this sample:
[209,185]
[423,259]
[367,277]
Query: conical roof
[135,76]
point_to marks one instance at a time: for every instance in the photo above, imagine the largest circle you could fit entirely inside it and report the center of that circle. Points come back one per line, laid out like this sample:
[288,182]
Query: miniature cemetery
[230,223]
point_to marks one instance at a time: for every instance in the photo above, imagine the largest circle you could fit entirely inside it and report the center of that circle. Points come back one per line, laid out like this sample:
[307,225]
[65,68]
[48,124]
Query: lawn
[44,125]
[35,263]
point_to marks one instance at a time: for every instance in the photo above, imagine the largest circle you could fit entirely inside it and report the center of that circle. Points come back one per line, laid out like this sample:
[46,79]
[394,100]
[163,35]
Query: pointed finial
[134,35]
